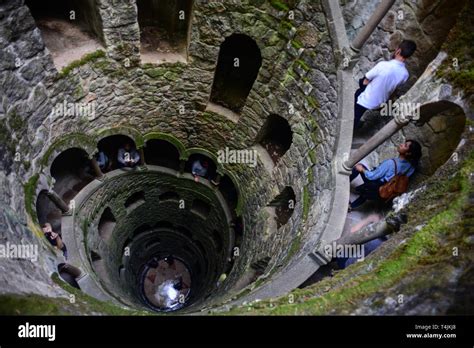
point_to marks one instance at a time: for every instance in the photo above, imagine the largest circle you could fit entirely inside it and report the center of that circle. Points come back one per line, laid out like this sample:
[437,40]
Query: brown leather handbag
[395,186]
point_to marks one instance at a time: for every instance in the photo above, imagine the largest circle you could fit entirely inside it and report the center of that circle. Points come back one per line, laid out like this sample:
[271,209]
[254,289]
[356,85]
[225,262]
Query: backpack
[395,186]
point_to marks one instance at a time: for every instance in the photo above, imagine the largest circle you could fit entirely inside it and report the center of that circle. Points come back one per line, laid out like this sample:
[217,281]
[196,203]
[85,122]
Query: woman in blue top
[409,155]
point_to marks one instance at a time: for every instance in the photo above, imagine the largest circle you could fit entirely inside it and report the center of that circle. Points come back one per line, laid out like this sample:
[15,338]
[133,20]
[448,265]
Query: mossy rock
[30,195]
[90,57]
[460,49]
[17,124]
[306,201]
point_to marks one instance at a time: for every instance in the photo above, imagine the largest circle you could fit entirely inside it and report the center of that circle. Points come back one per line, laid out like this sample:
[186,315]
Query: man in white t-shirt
[381,81]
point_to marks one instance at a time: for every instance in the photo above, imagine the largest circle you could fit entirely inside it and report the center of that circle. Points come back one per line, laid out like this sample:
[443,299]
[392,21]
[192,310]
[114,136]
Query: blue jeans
[368,190]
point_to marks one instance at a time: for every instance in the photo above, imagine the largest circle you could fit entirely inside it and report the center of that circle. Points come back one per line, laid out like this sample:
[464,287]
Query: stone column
[217,180]
[142,156]
[96,168]
[386,132]
[182,164]
[371,24]
[372,231]
[70,269]
[58,201]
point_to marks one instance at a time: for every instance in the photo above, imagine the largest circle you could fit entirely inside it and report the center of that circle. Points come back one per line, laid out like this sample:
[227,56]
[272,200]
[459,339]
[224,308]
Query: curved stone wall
[205,233]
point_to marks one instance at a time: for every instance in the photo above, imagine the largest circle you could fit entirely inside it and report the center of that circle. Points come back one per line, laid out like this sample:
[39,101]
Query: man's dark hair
[407,48]
[415,152]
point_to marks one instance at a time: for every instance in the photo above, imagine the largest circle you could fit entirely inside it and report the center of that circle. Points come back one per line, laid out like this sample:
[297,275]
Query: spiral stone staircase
[274,78]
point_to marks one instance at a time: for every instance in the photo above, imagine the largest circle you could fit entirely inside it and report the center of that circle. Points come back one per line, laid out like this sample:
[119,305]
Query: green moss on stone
[460,49]
[286,25]
[6,140]
[312,102]
[90,57]
[295,247]
[306,200]
[171,76]
[78,92]
[136,101]
[312,156]
[290,77]
[170,71]
[313,123]
[102,65]
[310,175]
[31,304]
[240,206]
[26,165]
[279,5]
[16,122]
[30,194]
[155,72]
[94,304]
[303,64]
[79,140]
[125,130]
[296,44]
[5,134]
